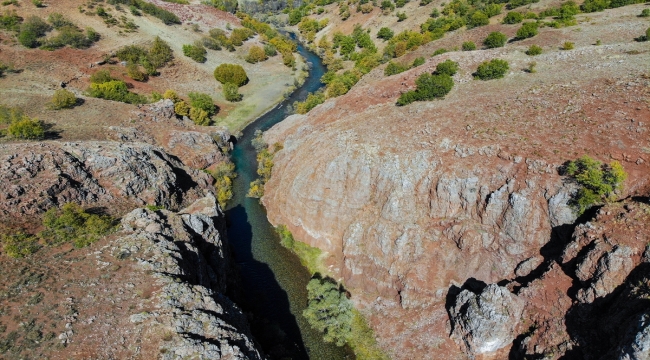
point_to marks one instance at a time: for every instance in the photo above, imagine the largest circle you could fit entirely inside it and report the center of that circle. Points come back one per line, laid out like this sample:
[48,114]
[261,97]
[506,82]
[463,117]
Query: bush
[171,95]
[534,50]
[385,34]
[231,92]
[477,19]
[68,35]
[428,87]
[469,46]
[493,69]
[597,181]
[203,102]
[26,128]
[440,52]
[231,73]
[495,39]
[38,3]
[195,52]
[401,16]
[115,90]
[329,311]
[92,35]
[19,245]
[568,45]
[160,53]
[513,17]
[527,30]
[447,67]
[9,115]
[100,77]
[200,116]
[58,21]
[131,53]
[10,21]
[645,13]
[269,50]
[313,100]
[63,99]
[31,30]
[417,62]
[72,223]
[256,54]
[394,68]
[133,71]
[181,108]
[594,5]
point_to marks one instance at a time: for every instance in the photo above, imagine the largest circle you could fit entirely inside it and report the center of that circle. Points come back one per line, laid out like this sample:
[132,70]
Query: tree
[230,73]
[447,67]
[493,69]
[202,101]
[62,99]
[527,30]
[195,52]
[477,19]
[513,17]
[597,181]
[231,92]
[469,46]
[385,33]
[329,310]
[256,54]
[26,128]
[428,87]
[495,39]
[160,53]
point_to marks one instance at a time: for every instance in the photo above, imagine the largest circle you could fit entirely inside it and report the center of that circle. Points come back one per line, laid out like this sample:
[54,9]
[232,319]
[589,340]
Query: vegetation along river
[273,280]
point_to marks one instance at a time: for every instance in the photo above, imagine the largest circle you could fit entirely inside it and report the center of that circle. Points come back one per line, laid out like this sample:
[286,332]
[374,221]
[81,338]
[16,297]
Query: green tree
[160,53]
[202,101]
[195,52]
[597,181]
[230,73]
[26,128]
[385,33]
[527,30]
[534,50]
[493,69]
[477,19]
[329,310]
[72,223]
[62,99]
[469,46]
[513,17]
[495,39]
[447,67]
[256,54]
[231,92]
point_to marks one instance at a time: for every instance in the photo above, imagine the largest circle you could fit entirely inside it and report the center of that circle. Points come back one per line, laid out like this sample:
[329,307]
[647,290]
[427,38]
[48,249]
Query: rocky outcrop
[412,201]
[186,255]
[485,322]
[94,174]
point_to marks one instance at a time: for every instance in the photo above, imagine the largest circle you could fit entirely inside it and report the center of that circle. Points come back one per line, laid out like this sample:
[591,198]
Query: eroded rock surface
[109,174]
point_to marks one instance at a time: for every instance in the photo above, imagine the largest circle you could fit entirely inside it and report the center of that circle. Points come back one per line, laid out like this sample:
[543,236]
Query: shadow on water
[274,282]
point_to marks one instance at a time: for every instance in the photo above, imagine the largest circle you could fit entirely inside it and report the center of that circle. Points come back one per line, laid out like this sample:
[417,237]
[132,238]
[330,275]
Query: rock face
[109,174]
[485,322]
[186,255]
[412,201]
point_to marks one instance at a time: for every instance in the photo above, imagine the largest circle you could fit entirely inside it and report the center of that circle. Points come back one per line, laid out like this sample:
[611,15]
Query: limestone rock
[485,322]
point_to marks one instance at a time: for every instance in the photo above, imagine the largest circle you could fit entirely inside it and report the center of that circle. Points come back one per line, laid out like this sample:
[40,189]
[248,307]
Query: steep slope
[416,203]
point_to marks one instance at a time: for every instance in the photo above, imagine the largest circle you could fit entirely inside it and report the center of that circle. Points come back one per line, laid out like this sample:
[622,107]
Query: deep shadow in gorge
[272,290]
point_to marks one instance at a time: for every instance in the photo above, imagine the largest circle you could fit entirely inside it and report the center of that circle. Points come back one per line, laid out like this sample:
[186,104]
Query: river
[274,281]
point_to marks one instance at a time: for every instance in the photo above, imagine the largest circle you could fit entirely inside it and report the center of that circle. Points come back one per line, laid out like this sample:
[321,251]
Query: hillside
[428,207]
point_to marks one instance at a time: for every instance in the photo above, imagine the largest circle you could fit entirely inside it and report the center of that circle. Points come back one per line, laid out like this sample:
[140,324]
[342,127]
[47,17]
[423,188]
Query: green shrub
[477,19]
[133,71]
[513,17]
[231,73]
[19,245]
[200,116]
[440,51]
[26,128]
[160,53]
[256,54]
[270,50]
[527,30]
[594,5]
[38,3]
[181,108]
[313,100]
[534,50]
[115,90]
[171,95]
[223,175]
[31,30]
[428,87]
[597,181]
[495,40]
[202,101]
[58,21]
[10,21]
[417,62]
[385,34]
[195,52]
[231,92]
[329,311]
[309,256]
[394,68]
[469,46]
[92,35]
[492,9]
[645,13]
[100,77]
[493,69]
[647,34]
[68,35]
[10,114]
[131,53]
[401,16]
[72,223]
[568,45]
[447,67]
[63,99]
